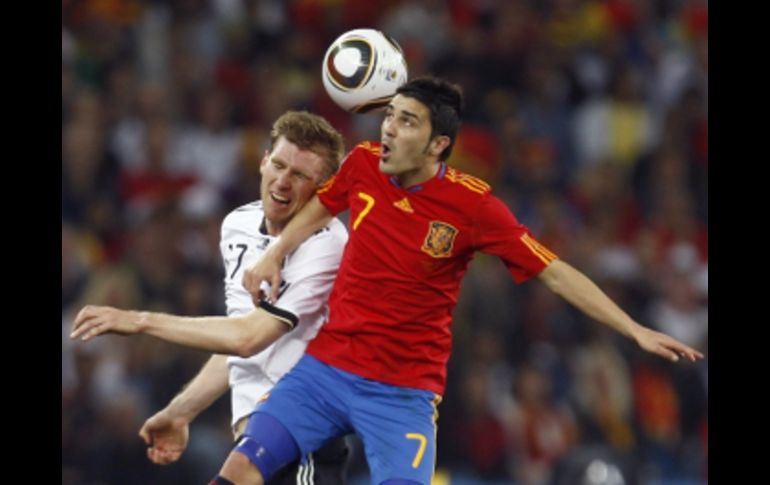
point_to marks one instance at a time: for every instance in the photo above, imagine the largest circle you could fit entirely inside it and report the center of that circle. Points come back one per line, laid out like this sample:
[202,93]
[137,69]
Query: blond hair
[311,132]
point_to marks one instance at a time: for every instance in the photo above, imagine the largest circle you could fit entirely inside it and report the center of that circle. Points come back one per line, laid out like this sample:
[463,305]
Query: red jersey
[408,249]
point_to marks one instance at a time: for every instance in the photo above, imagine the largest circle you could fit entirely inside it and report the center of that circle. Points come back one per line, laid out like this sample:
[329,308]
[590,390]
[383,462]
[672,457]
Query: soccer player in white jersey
[265,341]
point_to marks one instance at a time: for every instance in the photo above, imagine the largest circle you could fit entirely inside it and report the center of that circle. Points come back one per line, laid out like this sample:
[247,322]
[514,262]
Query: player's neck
[273,229]
[419,175]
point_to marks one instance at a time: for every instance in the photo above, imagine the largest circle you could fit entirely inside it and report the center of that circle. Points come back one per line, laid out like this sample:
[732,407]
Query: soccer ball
[362,70]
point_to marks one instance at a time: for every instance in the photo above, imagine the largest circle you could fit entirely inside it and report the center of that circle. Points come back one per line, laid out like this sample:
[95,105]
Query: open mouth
[279,199]
[385,152]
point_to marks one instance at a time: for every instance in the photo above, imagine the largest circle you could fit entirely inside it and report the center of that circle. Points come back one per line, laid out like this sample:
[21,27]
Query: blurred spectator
[209,149]
[658,415]
[540,431]
[603,394]
[618,127]
[679,310]
[475,436]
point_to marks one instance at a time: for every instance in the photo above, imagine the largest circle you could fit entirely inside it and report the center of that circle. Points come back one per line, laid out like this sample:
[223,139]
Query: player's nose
[283,180]
[387,127]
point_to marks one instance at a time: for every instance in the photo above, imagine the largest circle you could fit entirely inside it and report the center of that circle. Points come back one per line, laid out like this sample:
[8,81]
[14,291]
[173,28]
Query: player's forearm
[243,336]
[311,218]
[580,291]
[201,392]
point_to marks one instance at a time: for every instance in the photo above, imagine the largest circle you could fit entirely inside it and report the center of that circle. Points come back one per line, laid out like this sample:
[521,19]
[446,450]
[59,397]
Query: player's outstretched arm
[312,217]
[244,335]
[578,289]
[166,432]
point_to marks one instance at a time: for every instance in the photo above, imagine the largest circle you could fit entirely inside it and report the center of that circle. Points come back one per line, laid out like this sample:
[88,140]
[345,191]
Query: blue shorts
[315,402]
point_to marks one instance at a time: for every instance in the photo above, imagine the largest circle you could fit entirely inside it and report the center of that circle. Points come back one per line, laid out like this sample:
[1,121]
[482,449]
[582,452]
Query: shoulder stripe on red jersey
[468,181]
[538,249]
[367,145]
[326,185]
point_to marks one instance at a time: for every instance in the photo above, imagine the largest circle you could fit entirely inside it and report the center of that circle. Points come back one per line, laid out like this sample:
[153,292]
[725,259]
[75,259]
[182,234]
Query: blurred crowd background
[588,117]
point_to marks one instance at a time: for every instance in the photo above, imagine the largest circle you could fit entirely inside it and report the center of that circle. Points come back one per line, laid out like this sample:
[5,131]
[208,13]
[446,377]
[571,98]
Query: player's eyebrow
[410,114]
[390,106]
[288,166]
[390,109]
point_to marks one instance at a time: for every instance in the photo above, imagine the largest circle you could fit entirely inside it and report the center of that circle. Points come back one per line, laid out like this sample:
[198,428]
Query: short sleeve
[333,194]
[498,232]
[308,277]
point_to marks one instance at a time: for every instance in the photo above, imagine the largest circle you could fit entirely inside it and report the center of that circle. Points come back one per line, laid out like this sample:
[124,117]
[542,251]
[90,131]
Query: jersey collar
[417,188]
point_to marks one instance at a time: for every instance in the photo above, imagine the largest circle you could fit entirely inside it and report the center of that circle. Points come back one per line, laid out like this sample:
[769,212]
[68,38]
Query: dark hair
[311,132]
[445,102]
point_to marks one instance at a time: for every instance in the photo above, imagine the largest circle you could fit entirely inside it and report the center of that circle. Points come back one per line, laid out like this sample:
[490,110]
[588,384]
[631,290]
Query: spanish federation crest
[440,239]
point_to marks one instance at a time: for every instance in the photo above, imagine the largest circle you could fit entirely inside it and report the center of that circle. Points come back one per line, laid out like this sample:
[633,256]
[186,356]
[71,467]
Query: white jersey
[308,275]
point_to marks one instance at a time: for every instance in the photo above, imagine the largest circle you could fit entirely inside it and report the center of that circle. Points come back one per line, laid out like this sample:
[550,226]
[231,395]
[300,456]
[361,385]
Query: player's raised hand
[267,268]
[664,345]
[94,320]
[166,437]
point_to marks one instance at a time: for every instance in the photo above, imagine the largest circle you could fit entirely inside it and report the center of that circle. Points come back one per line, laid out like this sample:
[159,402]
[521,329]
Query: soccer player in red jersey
[378,366]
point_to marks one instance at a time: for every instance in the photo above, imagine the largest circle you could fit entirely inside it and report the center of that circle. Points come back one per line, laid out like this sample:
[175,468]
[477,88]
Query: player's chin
[278,208]
[386,166]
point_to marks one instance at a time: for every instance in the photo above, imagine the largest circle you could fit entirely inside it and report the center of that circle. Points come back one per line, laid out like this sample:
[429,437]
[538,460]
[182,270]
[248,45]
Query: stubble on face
[290,176]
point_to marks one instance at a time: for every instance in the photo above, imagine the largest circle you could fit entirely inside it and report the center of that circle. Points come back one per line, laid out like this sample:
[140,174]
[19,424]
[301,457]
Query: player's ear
[438,144]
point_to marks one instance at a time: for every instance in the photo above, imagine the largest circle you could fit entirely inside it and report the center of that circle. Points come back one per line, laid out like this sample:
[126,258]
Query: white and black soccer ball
[362,70]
